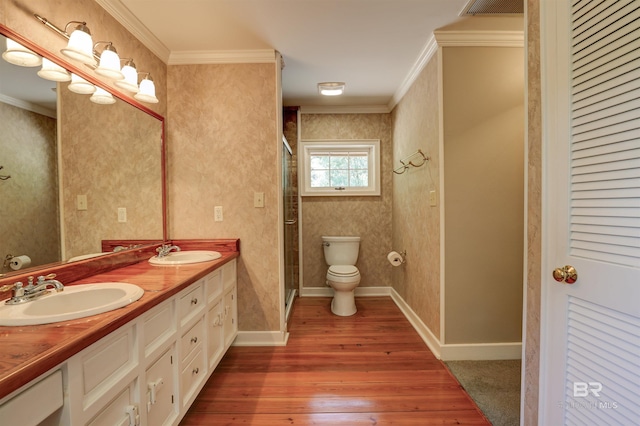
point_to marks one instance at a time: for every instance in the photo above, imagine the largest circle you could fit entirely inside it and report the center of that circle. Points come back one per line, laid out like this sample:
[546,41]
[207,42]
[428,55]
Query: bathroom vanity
[143,364]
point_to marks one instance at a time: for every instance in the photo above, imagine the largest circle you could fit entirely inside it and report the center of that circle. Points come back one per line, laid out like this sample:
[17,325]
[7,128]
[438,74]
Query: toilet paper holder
[393,259]
[7,260]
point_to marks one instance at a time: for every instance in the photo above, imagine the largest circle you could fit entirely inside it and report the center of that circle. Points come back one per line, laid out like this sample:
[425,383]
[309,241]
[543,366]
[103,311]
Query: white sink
[185,257]
[77,301]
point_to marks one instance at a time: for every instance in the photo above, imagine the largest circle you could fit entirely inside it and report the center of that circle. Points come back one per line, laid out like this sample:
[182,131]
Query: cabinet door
[231,316]
[215,336]
[121,411]
[161,407]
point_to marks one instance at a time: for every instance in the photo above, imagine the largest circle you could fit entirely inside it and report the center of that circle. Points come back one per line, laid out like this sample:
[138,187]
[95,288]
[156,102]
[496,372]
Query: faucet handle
[42,278]
[7,287]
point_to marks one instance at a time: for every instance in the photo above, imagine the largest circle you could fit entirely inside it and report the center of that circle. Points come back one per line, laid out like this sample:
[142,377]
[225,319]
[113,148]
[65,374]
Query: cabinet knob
[194,339]
[195,370]
[194,301]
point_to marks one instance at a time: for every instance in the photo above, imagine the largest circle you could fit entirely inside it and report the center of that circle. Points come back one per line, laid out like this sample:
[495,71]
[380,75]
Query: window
[340,167]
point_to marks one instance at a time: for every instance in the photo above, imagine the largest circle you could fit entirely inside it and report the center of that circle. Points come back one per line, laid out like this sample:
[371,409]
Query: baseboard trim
[481,351]
[360,291]
[457,352]
[421,328]
[261,338]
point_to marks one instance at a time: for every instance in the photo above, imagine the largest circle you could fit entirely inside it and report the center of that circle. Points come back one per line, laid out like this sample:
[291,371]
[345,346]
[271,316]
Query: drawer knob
[194,339]
[196,370]
[194,301]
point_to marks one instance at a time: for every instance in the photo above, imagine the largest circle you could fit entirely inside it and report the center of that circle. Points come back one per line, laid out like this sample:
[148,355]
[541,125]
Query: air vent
[494,7]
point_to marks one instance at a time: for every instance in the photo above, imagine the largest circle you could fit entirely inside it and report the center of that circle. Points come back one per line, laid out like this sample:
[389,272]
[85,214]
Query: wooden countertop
[29,351]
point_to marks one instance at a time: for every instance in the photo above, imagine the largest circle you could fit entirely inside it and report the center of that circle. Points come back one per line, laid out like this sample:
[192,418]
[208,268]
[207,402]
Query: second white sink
[185,257]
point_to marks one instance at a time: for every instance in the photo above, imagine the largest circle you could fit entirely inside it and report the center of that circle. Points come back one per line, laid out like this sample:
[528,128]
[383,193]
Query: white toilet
[341,254]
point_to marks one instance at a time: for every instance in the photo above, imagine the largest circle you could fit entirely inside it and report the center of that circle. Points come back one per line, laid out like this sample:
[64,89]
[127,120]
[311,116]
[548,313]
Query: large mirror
[80,172]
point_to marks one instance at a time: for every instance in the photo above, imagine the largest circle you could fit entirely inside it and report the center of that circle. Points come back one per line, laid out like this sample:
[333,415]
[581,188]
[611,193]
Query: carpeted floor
[494,386]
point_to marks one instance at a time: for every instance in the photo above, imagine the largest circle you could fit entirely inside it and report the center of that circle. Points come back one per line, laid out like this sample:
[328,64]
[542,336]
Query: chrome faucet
[22,294]
[165,249]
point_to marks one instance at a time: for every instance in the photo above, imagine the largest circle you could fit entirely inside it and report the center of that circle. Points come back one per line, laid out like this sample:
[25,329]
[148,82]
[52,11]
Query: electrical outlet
[258,199]
[122,214]
[81,201]
[217,213]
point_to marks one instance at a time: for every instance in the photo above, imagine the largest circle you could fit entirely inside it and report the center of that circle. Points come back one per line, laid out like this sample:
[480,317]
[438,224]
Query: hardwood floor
[368,369]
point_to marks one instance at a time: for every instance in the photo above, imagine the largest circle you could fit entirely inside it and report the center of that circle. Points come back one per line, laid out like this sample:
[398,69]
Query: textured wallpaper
[224,147]
[111,154]
[29,220]
[416,224]
[367,217]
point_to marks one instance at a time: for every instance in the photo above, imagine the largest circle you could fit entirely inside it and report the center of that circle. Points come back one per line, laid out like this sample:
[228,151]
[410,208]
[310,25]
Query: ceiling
[374,46]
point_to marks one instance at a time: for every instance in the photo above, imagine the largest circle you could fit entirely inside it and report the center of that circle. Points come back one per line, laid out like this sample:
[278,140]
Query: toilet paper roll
[395,258]
[18,262]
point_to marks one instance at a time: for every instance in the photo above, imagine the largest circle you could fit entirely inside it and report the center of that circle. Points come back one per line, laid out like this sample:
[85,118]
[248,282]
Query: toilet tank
[340,250]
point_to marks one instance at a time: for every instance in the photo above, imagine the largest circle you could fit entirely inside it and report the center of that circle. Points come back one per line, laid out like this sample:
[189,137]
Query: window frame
[370,146]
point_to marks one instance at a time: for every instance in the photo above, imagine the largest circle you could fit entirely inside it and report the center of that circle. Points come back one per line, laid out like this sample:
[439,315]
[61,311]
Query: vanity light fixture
[147,91]
[53,72]
[130,81]
[109,63]
[81,86]
[80,45]
[17,54]
[331,88]
[102,97]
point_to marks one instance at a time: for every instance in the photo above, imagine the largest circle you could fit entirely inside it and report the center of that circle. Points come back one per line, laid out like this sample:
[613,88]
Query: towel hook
[4,177]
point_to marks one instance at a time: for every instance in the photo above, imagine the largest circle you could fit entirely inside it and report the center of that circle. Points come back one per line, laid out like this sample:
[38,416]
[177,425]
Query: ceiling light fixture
[17,54]
[331,88]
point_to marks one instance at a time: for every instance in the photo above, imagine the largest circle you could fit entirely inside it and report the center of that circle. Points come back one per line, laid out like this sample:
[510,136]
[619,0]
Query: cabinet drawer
[191,340]
[192,375]
[213,285]
[34,404]
[159,326]
[191,303]
[108,360]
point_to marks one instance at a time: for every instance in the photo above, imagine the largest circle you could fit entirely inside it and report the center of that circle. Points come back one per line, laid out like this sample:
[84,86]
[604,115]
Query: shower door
[290,224]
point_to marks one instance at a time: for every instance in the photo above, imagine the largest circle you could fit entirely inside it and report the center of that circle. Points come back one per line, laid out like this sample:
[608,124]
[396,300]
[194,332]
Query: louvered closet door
[590,346]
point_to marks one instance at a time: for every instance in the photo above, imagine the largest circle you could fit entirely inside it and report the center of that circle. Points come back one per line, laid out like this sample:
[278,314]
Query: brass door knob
[566,274]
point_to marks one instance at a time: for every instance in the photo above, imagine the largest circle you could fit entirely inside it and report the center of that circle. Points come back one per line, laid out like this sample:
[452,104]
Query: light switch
[258,199]
[217,213]
[81,201]
[122,214]
[433,201]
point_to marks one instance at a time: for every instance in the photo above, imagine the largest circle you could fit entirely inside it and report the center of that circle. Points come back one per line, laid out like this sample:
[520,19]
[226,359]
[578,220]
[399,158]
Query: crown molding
[480,38]
[425,56]
[124,16]
[19,103]
[344,109]
[190,57]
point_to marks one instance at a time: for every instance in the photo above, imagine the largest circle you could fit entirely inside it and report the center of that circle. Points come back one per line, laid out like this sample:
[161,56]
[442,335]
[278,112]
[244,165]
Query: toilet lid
[343,270]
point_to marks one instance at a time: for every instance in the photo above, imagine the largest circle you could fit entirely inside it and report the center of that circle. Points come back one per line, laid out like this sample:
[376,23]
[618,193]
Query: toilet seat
[343,271]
